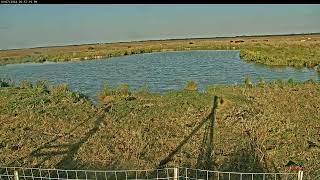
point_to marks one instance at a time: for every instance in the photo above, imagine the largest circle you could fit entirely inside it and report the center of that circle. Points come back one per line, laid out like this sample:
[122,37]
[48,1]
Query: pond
[161,71]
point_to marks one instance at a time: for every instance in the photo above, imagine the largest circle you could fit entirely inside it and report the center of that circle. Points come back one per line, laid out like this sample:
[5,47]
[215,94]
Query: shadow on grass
[243,160]
[206,152]
[205,158]
[45,152]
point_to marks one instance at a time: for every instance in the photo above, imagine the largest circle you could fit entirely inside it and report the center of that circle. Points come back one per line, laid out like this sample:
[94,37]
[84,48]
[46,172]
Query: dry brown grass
[257,128]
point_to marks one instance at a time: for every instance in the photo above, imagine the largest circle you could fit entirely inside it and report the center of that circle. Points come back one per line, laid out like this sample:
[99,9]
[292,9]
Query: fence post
[175,173]
[300,175]
[16,175]
[186,173]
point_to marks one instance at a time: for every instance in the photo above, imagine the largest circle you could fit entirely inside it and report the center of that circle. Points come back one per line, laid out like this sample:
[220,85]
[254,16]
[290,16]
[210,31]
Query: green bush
[4,83]
[291,82]
[191,86]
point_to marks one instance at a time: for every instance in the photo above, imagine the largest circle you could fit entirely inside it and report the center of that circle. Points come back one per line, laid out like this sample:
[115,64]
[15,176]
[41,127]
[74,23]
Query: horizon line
[191,38]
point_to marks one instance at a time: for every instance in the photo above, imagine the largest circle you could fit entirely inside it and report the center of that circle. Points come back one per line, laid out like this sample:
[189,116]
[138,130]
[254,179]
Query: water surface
[161,71]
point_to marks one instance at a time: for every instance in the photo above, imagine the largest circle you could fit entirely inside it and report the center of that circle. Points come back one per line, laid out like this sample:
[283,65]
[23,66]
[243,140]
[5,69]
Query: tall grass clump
[106,95]
[41,86]
[291,82]
[311,81]
[143,92]
[123,90]
[60,89]
[261,82]
[248,81]
[25,84]
[280,83]
[191,86]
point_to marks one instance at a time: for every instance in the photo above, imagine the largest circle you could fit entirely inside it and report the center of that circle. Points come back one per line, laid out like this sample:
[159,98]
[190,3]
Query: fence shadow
[205,157]
[45,151]
[244,160]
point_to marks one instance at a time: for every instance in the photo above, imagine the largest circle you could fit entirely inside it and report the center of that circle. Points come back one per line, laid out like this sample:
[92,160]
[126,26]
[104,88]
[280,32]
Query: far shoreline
[295,50]
[169,39]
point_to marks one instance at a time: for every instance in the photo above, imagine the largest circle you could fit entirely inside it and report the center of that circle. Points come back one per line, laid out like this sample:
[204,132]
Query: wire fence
[17,173]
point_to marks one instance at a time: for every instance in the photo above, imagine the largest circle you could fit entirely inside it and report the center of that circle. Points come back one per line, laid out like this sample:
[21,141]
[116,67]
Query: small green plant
[191,86]
[248,81]
[60,89]
[40,59]
[280,83]
[25,84]
[123,90]
[311,81]
[41,86]
[78,96]
[4,83]
[291,82]
[143,91]
[261,82]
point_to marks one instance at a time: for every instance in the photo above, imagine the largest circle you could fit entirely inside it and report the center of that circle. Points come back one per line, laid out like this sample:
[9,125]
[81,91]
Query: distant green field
[258,128]
[291,50]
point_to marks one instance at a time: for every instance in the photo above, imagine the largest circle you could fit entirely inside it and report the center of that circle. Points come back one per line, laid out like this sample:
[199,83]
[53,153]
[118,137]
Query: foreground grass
[257,128]
[295,50]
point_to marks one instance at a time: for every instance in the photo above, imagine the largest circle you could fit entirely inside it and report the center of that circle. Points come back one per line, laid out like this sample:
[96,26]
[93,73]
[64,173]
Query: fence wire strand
[8,173]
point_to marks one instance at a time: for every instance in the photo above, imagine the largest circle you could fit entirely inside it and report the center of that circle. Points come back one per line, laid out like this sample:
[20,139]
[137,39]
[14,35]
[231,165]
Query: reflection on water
[159,71]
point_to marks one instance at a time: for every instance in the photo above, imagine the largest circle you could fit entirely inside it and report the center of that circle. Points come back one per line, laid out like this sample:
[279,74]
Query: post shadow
[205,158]
[206,152]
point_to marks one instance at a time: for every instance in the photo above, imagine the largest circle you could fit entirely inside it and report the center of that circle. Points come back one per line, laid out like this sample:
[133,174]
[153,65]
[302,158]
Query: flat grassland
[258,128]
[287,50]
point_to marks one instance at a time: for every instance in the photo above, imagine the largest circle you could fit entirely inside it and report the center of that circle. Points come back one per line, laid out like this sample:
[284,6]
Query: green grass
[284,54]
[257,128]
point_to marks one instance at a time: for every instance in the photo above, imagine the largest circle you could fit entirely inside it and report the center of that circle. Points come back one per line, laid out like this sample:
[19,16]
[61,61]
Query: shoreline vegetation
[274,50]
[53,127]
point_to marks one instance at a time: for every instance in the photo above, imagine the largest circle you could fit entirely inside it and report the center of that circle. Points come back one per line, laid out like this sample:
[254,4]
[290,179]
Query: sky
[24,26]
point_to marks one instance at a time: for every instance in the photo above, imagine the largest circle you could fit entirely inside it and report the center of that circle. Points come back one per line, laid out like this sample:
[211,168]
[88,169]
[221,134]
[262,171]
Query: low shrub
[4,83]
[191,86]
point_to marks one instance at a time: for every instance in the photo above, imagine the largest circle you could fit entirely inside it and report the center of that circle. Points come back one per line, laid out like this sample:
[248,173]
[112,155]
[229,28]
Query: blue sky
[47,25]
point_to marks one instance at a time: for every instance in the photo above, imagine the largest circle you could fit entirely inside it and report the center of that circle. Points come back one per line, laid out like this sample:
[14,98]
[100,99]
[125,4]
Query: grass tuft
[191,86]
